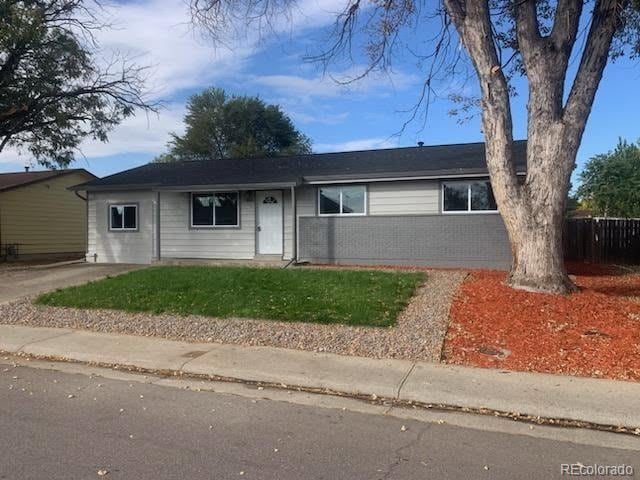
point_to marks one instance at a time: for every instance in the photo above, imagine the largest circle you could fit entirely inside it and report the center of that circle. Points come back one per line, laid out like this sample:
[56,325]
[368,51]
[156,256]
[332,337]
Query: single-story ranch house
[425,205]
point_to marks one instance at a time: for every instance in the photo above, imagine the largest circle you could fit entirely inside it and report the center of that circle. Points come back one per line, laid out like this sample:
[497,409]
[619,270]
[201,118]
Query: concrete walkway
[603,402]
[17,282]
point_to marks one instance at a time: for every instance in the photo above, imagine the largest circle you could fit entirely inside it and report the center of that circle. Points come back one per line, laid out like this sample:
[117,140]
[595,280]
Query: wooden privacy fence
[603,240]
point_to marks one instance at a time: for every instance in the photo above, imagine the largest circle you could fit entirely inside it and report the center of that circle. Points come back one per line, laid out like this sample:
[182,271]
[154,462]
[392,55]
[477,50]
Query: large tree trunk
[535,224]
[538,263]
[533,211]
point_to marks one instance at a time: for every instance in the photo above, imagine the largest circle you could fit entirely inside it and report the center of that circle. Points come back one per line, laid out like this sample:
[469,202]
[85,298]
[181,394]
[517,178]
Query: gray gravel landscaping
[418,334]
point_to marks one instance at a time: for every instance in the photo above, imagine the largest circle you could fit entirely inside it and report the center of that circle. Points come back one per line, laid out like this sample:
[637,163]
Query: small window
[482,196]
[473,196]
[353,200]
[456,197]
[123,217]
[218,209]
[270,199]
[347,200]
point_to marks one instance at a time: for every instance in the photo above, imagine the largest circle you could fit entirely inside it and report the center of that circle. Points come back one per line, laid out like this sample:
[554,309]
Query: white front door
[269,223]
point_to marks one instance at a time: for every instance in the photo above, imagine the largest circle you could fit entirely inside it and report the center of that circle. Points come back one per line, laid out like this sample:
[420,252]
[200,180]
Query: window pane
[202,210]
[456,197]
[117,213]
[226,208]
[482,196]
[353,199]
[330,200]
[130,217]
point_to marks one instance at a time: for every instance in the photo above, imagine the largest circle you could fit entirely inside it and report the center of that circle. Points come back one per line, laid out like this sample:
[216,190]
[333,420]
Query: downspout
[86,236]
[1,233]
[158,256]
[294,228]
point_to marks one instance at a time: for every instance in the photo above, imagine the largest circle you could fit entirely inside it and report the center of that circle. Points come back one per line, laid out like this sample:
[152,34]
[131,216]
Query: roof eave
[85,187]
[227,186]
[386,176]
[184,188]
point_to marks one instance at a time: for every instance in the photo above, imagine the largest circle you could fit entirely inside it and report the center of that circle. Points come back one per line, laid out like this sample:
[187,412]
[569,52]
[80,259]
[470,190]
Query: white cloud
[312,99]
[325,118]
[140,134]
[334,86]
[11,160]
[358,144]
[157,33]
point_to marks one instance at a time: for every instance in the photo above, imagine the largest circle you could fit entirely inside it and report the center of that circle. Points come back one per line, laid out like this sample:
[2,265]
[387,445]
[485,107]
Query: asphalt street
[56,425]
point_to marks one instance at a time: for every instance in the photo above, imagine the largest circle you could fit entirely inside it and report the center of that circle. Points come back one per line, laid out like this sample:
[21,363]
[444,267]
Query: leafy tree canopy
[611,182]
[53,91]
[222,126]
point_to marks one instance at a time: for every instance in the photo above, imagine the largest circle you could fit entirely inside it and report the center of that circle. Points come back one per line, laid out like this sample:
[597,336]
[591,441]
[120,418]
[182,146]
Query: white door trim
[269,223]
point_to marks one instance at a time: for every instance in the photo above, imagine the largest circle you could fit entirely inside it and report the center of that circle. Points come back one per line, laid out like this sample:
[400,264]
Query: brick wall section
[465,240]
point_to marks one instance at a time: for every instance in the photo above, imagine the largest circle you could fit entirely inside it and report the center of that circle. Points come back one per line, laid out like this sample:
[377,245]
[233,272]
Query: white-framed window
[123,217]
[344,200]
[215,209]
[469,196]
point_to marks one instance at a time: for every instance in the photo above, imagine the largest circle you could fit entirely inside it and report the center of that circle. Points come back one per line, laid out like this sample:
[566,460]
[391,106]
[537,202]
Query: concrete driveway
[18,282]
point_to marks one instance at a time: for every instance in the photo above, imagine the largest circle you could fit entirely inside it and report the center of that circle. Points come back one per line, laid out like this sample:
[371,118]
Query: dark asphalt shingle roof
[20,179]
[440,160]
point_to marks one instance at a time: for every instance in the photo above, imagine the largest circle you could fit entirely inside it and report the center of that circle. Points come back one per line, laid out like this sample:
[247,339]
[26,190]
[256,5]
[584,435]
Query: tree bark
[536,235]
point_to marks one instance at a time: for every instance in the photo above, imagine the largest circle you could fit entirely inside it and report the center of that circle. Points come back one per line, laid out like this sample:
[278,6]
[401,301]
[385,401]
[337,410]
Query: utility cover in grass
[352,297]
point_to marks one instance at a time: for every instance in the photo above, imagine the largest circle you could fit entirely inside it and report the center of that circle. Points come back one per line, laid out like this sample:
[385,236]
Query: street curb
[535,398]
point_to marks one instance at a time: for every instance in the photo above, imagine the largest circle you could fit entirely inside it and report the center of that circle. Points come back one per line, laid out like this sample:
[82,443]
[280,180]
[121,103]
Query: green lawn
[354,297]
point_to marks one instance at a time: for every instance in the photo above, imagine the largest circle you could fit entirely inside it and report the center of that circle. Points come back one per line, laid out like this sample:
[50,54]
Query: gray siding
[107,246]
[469,241]
[306,201]
[305,207]
[404,198]
[178,240]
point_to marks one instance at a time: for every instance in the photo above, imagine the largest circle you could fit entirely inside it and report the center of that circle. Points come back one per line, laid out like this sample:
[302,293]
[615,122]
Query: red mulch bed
[595,332]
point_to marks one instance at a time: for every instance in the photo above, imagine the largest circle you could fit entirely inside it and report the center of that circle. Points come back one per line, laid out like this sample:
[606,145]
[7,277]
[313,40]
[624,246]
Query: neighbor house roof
[21,179]
[439,161]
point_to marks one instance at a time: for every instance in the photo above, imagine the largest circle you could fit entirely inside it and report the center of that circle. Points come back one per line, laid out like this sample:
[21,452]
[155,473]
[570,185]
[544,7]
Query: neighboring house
[427,205]
[40,216]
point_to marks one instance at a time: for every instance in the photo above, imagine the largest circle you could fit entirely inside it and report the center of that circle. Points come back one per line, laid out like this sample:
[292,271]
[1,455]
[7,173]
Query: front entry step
[268,258]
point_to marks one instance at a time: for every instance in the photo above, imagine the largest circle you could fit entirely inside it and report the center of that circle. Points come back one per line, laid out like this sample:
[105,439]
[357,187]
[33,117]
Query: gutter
[391,177]
[155,187]
[83,187]
[227,186]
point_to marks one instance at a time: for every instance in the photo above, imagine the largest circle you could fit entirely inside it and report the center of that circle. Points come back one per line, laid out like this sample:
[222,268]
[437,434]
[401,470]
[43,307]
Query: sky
[367,114]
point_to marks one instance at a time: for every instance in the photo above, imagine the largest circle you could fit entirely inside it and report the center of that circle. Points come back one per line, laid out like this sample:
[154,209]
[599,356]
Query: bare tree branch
[605,21]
